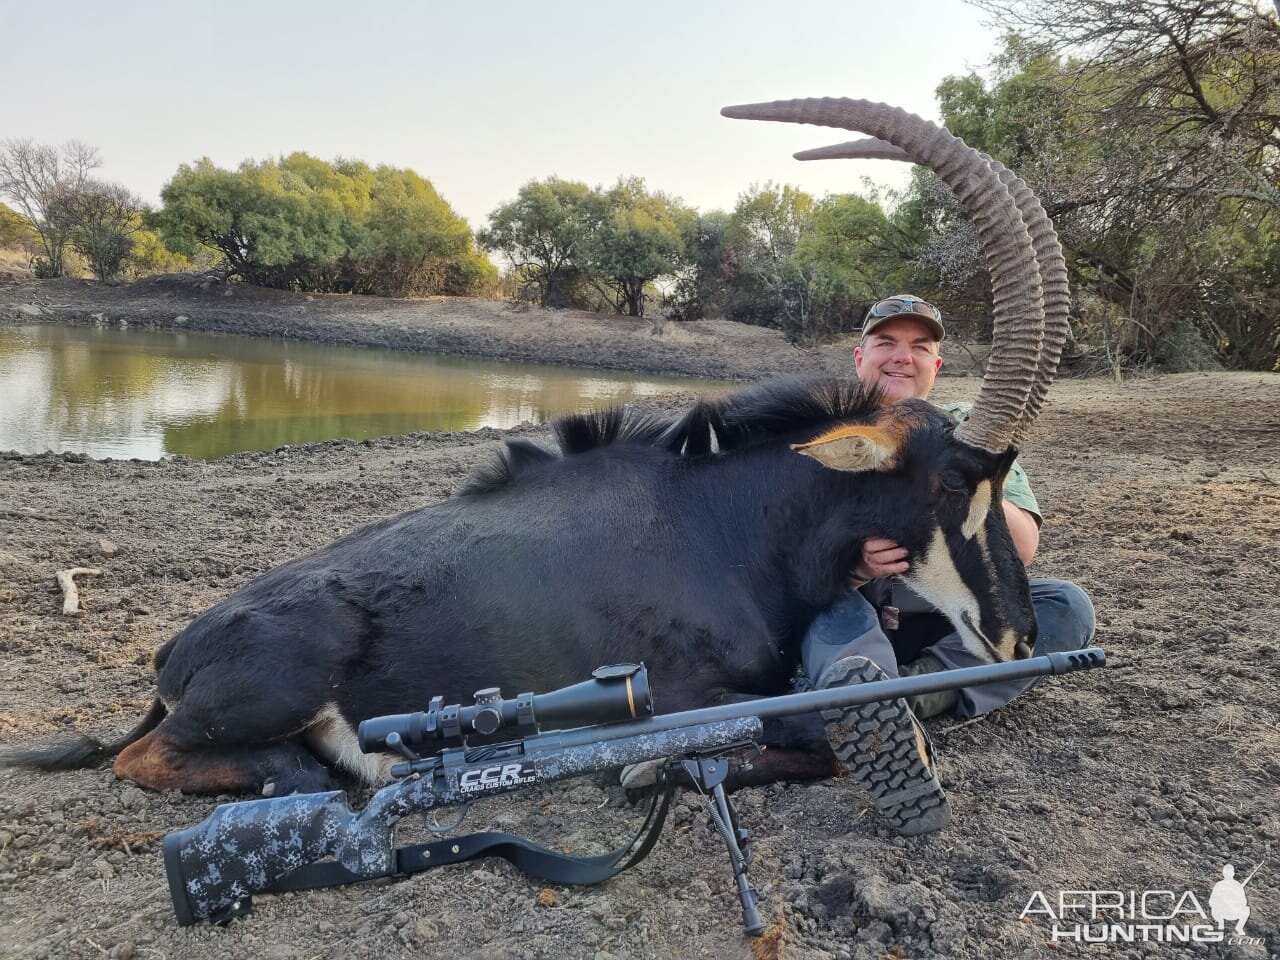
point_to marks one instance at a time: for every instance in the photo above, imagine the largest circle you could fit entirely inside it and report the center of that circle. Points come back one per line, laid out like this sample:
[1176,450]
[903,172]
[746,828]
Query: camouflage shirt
[1017,488]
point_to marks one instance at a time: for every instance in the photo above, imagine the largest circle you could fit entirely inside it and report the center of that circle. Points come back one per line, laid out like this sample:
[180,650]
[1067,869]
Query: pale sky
[478,98]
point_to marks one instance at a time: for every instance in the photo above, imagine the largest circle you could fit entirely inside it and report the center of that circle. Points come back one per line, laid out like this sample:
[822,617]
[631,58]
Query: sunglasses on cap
[893,306]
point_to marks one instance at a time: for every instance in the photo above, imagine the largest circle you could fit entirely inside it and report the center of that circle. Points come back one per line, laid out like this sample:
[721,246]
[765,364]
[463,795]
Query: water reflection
[137,393]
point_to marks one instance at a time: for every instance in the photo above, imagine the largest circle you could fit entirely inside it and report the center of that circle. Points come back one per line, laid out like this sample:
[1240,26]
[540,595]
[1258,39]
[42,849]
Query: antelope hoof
[637,776]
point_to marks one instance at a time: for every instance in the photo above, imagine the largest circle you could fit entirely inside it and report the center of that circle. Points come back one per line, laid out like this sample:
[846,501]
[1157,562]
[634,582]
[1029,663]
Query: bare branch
[41,180]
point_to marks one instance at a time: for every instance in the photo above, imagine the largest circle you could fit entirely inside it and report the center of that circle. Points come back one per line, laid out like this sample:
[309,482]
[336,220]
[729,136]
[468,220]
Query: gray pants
[1064,618]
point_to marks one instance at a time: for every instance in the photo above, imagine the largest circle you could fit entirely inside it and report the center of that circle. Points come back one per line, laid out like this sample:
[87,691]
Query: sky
[479,98]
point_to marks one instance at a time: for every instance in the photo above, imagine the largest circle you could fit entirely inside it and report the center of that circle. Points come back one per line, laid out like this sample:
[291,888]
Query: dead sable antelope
[702,545]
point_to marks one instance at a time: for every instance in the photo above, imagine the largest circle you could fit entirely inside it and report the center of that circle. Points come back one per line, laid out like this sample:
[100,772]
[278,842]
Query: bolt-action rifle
[315,840]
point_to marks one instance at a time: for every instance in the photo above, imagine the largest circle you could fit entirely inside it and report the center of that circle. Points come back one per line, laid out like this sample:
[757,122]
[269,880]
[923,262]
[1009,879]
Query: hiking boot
[926,705]
[886,750]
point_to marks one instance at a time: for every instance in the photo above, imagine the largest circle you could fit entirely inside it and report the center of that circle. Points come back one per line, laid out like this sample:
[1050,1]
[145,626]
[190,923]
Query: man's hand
[881,558]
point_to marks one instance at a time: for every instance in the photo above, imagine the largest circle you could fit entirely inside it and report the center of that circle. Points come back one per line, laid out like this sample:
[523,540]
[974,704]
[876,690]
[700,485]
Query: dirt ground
[1163,500]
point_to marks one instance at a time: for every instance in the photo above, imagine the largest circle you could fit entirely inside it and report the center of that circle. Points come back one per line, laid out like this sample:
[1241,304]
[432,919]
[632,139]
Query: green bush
[304,224]
[150,256]
[15,231]
[471,275]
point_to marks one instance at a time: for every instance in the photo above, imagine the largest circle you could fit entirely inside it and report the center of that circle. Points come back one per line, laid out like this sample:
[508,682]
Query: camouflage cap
[905,305]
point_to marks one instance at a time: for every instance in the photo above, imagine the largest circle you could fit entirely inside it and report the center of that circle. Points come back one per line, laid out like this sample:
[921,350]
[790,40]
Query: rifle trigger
[429,819]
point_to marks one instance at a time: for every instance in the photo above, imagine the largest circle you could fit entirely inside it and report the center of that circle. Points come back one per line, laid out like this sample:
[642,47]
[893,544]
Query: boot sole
[884,749]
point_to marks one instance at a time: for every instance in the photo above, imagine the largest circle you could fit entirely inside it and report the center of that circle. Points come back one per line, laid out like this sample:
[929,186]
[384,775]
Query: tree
[702,283]
[1203,72]
[863,251]
[544,234]
[1151,131]
[42,181]
[205,205]
[104,217]
[639,238]
[764,233]
[809,266]
[411,236]
[306,224]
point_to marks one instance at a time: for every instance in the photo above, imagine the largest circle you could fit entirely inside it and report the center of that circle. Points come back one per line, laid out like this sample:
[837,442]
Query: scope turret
[613,694]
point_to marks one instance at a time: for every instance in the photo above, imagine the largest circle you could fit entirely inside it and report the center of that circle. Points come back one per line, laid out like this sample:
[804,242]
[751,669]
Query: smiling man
[884,629]
[900,347]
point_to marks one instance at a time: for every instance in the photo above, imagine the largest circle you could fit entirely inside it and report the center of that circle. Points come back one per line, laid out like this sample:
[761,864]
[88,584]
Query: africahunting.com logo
[1139,916]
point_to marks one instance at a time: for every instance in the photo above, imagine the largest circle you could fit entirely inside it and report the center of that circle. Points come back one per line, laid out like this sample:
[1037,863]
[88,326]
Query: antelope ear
[853,449]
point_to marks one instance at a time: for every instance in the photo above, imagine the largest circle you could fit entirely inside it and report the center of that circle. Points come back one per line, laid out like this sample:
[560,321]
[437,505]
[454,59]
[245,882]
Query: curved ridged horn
[1055,289]
[1044,240]
[1015,276]
[869,148]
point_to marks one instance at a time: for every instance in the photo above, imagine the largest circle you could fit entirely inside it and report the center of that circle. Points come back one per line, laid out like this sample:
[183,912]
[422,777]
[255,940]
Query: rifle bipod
[708,770]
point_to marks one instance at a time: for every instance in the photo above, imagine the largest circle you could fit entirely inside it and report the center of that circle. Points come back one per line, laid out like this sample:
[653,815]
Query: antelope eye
[952,482]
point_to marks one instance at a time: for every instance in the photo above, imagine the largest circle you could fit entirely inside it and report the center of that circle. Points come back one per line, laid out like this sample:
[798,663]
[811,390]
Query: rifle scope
[614,693]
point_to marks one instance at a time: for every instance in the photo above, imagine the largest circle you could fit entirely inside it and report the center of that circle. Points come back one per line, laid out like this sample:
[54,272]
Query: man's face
[901,357]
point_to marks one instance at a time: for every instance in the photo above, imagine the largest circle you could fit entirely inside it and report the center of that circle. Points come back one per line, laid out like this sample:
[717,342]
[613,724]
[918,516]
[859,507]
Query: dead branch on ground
[71,593]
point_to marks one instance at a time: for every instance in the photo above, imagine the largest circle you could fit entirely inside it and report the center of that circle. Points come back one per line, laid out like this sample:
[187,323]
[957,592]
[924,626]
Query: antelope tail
[83,751]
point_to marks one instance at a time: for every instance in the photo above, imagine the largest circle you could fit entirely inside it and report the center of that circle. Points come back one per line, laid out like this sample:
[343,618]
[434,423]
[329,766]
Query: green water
[149,394]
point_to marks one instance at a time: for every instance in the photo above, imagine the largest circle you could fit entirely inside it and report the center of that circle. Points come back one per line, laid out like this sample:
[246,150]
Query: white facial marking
[936,578]
[984,548]
[979,506]
[1008,639]
[334,740]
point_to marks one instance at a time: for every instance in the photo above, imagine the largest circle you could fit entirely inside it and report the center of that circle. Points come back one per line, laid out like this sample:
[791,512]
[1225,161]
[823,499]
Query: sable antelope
[702,545]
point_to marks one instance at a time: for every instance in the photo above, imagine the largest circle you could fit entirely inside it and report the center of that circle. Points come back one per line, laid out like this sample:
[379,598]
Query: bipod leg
[708,775]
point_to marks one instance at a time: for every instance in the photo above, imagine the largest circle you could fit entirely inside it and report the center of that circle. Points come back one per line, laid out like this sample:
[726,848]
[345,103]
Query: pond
[148,394]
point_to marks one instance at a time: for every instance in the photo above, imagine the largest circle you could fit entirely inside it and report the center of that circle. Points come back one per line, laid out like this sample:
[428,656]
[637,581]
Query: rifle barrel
[814,700]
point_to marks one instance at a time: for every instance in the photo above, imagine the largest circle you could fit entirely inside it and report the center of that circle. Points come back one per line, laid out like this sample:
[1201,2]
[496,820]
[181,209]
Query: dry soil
[1163,500]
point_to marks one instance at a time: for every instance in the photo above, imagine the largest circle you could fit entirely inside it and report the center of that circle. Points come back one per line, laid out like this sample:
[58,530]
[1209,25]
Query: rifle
[306,841]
